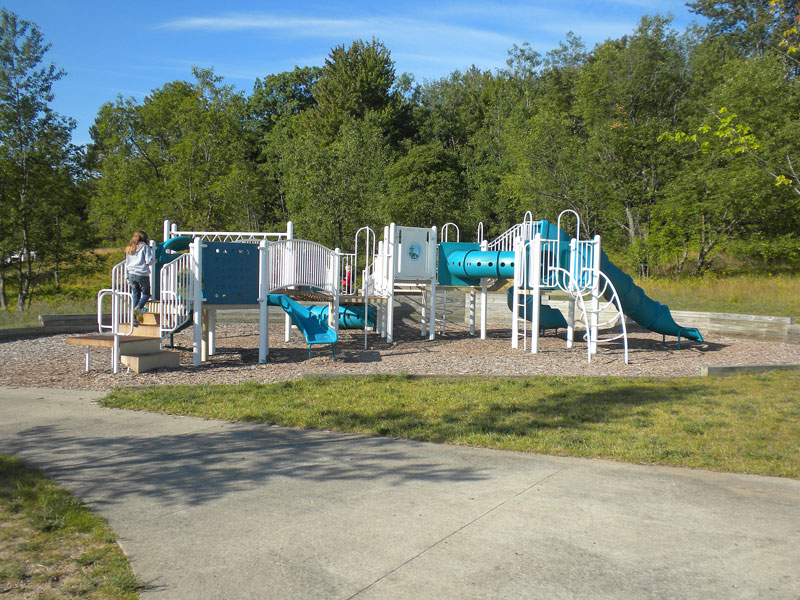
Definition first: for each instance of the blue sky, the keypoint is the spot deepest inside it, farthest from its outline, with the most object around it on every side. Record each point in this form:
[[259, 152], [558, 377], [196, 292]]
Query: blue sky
[[110, 48]]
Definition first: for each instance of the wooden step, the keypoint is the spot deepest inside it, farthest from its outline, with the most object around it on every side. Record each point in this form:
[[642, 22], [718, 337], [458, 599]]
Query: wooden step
[[139, 363], [147, 330], [130, 344]]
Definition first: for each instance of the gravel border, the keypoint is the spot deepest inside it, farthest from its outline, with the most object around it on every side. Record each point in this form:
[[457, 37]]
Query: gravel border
[[49, 362]]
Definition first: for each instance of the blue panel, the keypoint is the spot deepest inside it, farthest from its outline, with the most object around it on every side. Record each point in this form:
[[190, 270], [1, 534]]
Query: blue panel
[[230, 273]]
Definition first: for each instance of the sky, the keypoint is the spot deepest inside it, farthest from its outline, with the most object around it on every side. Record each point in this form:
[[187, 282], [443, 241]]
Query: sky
[[114, 48]]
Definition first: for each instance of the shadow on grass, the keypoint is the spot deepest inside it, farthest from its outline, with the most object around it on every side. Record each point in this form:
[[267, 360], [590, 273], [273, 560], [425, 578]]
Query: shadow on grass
[[514, 411]]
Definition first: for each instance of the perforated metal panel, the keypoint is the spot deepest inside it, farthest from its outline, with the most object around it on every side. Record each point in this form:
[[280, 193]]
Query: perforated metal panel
[[230, 273]]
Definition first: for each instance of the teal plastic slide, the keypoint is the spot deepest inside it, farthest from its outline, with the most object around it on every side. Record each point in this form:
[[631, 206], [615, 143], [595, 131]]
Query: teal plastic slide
[[638, 306], [315, 330], [549, 317], [350, 317]]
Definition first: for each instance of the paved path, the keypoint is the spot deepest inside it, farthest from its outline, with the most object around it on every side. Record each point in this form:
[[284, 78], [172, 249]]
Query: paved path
[[207, 509]]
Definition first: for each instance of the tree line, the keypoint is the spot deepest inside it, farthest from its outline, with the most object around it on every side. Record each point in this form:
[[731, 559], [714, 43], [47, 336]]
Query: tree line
[[676, 147]]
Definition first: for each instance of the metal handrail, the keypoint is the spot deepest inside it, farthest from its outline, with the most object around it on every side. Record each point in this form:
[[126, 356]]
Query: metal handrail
[[175, 293]]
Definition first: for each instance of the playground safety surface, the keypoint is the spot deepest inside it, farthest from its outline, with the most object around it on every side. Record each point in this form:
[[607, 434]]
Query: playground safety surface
[[49, 362]]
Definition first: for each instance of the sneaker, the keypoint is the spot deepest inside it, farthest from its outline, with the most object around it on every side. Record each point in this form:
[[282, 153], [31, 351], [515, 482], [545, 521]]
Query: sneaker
[[137, 315]]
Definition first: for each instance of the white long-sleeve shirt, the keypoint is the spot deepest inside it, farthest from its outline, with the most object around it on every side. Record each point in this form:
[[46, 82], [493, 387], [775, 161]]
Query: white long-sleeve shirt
[[139, 262]]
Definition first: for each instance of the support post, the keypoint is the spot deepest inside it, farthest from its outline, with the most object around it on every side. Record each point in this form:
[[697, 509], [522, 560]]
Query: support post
[[519, 266], [573, 284], [212, 331], [333, 311], [365, 284], [432, 311], [263, 305], [595, 318], [484, 294], [287, 320], [472, 295], [535, 277], [204, 341], [423, 314], [115, 354], [197, 300], [391, 251]]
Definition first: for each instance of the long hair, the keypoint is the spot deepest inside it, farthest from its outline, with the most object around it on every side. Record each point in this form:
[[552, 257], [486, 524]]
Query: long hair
[[138, 236]]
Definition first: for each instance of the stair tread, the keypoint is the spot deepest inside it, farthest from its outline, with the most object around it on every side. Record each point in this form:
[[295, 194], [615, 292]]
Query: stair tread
[[102, 339]]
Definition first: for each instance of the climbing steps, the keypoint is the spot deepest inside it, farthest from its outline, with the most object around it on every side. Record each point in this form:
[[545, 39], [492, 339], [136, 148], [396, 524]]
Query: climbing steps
[[141, 351]]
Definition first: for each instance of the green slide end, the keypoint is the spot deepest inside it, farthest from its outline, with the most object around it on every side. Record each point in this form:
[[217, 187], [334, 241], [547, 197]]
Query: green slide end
[[646, 312]]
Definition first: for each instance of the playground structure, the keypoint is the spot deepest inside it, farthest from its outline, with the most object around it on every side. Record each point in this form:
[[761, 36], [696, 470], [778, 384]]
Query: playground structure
[[198, 273]]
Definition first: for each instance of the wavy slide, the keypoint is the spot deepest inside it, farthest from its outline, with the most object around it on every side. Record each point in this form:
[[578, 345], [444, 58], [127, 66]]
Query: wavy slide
[[638, 306], [315, 329]]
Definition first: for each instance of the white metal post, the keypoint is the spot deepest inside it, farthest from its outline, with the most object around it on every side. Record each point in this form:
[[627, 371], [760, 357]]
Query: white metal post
[[197, 300], [519, 265], [484, 291], [287, 320], [432, 311], [472, 304], [595, 270], [333, 311], [212, 331], [423, 310], [166, 229], [535, 278], [115, 354], [571, 283], [392, 259], [365, 285], [204, 342], [431, 268], [263, 305]]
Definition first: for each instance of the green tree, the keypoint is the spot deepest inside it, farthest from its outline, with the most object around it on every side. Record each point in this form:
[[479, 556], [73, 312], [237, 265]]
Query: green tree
[[185, 153], [630, 91], [754, 150], [275, 101], [40, 203], [333, 189], [355, 81], [754, 26], [426, 187]]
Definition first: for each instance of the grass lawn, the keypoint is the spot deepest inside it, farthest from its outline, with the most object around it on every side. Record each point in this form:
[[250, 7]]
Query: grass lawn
[[743, 424], [777, 296], [52, 546]]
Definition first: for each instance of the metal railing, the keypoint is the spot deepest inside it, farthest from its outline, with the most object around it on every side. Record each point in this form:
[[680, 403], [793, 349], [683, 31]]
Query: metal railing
[[175, 293], [505, 241], [348, 270], [301, 263], [121, 303]]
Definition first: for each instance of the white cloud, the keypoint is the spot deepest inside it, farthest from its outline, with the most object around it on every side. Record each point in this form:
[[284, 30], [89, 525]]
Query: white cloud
[[382, 27]]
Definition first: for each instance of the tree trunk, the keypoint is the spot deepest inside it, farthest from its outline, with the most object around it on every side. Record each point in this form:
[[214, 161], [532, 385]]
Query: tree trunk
[[3, 301]]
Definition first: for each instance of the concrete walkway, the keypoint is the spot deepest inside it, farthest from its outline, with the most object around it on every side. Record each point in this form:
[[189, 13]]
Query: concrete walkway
[[207, 509]]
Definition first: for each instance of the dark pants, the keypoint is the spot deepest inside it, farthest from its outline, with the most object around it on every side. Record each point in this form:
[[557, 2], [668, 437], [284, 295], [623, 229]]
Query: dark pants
[[140, 289]]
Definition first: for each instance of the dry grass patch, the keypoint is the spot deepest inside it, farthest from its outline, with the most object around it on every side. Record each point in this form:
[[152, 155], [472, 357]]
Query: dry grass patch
[[52, 546]]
